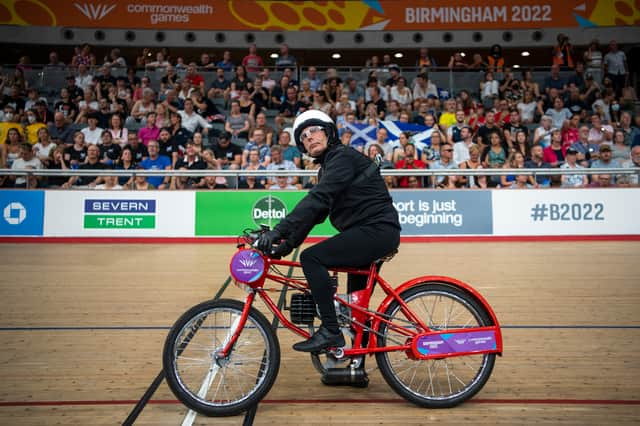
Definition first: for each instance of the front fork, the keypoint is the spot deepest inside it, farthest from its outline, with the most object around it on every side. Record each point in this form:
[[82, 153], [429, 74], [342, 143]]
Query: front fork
[[238, 325]]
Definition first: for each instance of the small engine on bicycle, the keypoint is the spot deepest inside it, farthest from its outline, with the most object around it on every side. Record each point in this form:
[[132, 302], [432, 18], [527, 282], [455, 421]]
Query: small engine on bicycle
[[303, 309]]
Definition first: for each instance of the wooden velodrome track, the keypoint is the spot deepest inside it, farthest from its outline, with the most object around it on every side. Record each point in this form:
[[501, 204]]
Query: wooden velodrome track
[[82, 328]]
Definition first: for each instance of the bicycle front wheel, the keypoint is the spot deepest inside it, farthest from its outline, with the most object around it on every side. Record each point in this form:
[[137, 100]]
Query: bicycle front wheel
[[435, 383], [208, 383]]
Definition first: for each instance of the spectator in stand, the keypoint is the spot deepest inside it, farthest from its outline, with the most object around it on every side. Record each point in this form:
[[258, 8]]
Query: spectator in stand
[[477, 63], [92, 133], [559, 114], [599, 132], [461, 147], [261, 123], [190, 161], [554, 81], [398, 147], [513, 126], [620, 151], [542, 134], [228, 155], [92, 163], [11, 147], [576, 180], [489, 90], [484, 131], [445, 162], [43, 147], [54, 62], [237, 123], [570, 132], [267, 82], [27, 160], [226, 63], [205, 62], [495, 60], [424, 60], [515, 161], [259, 95], [563, 52], [632, 163], [138, 149], [285, 60], [193, 77], [156, 162], [84, 80], [494, 156], [630, 131], [219, 85], [528, 84], [291, 107], [583, 147], [254, 163], [528, 108], [83, 56], [537, 162], [521, 144], [120, 134], [472, 181], [602, 105], [555, 152], [143, 106], [409, 162], [305, 94], [109, 151], [279, 163], [240, 79], [150, 131], [401, 93], [76, 154], [32, 126], [289, 151], [314, 82], [66, 106], [257, 142], [247, 106], [575, 104], [423, 88], [593, 60], [602, 181], [578, 79], [382, 141], [615, 67], [454, 130], [252, 61], [191, 120], [56, 162], [457, 62]]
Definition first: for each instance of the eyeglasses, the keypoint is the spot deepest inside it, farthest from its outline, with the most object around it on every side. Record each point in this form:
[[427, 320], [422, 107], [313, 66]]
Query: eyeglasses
[[306, 134], [447, 150]]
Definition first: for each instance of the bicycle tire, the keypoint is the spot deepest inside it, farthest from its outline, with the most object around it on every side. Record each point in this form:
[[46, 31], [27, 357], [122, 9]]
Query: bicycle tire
[[185, 372], [477, 368]]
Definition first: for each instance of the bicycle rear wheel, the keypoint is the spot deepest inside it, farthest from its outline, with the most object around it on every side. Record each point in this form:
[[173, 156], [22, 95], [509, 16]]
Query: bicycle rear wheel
[[435, 383], [207, 383]]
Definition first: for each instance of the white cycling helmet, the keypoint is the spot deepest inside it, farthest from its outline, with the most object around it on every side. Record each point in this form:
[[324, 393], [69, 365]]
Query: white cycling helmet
[[314, 117]]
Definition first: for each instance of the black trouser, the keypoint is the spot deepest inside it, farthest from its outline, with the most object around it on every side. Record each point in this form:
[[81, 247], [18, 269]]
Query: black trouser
[[355, 247]]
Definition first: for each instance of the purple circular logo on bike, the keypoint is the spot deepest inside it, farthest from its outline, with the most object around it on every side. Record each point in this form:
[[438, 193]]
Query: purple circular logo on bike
[[247, 266]]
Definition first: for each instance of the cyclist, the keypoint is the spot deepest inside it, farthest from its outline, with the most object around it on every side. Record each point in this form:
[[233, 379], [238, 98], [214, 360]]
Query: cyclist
[[352, 193]]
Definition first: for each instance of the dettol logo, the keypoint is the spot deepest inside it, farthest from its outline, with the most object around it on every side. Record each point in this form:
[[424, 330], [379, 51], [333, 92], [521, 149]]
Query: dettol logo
[[268, 211]]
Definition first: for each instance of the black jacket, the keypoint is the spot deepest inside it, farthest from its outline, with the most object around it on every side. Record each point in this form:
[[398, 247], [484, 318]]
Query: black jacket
[[340, 195]]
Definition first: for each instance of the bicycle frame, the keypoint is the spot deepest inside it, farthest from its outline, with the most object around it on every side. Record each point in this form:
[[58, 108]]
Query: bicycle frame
[[361, 314]]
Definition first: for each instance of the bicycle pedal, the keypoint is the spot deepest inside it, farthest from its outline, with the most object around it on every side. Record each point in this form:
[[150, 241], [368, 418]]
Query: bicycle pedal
[[337, 353]]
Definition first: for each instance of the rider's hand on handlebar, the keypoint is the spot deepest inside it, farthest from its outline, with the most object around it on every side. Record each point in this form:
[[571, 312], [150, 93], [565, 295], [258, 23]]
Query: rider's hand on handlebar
[[266, 241]]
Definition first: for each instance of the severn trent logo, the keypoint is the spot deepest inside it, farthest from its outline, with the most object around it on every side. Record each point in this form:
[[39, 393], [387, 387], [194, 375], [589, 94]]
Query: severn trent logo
[[268, 211], [120, 214]]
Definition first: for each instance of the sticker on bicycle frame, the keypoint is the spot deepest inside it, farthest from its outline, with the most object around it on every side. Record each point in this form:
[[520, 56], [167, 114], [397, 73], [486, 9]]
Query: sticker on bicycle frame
[[247, 266], [456, 343]]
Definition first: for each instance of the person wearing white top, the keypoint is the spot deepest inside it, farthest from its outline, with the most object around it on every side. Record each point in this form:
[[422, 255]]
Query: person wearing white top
[[83, 79], [573, 181], [92, 133], [110, 183], [191, 120], [26, 161], [461, 149], [489, 87]]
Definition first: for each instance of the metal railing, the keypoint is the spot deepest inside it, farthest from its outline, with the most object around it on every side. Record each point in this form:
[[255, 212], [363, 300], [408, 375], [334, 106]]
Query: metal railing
[[311, 173]]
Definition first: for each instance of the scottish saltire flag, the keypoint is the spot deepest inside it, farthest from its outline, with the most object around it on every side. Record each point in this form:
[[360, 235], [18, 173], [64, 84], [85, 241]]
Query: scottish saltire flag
[[362, 133], [419, 134]]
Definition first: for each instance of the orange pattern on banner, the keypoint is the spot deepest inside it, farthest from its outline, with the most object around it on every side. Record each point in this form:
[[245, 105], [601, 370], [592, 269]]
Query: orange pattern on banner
[[347, 15]]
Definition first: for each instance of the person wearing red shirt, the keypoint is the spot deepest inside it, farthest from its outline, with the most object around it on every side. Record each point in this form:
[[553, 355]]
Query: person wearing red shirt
[[409, 162], [554, 154], [193, 77], [253, 62]]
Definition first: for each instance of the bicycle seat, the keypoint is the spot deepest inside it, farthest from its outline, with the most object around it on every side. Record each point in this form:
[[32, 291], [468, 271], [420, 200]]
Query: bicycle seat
[[386, 257]]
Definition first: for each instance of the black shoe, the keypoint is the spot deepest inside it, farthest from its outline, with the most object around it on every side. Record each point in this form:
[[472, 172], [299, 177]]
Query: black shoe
[[321, 339], [354, 377]]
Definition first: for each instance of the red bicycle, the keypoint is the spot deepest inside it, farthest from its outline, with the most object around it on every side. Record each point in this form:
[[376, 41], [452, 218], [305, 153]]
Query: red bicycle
[[435, 338]]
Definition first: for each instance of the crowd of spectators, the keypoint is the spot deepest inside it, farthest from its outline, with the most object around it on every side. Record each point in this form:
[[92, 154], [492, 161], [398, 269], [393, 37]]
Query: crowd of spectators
[[102, 121]]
